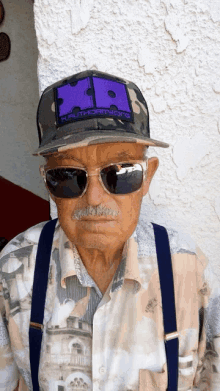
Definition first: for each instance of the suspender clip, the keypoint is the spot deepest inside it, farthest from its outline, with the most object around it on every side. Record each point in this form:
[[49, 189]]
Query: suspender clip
[[37, 326], [170, 336]]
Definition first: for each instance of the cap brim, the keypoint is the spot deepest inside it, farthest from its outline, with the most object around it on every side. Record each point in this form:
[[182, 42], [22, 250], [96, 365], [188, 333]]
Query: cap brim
[[98, 137]]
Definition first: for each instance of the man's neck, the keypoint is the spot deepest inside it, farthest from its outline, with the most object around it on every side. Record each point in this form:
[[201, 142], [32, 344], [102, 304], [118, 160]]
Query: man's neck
[[100, 266]]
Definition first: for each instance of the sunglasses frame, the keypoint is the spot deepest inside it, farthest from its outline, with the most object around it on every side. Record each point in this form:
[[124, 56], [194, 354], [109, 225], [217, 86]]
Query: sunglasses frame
[[143, 164]]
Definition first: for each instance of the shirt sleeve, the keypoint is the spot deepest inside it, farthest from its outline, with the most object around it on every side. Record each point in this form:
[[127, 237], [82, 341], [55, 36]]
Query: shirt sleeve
[[207, 376], [8, 369]]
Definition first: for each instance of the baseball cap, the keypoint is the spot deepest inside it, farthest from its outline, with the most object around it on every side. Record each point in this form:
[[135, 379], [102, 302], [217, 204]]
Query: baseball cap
[[92, 107]]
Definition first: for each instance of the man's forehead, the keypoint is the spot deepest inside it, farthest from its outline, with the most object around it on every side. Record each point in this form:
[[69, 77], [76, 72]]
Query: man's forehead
[[121, 150]]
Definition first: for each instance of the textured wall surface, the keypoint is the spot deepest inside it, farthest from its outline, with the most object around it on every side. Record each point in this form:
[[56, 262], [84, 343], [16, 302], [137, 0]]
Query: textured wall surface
[[171, 50], [19, 98]]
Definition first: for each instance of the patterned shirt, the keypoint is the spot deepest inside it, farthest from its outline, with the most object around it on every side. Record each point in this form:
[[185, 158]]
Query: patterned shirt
[[115, 341]]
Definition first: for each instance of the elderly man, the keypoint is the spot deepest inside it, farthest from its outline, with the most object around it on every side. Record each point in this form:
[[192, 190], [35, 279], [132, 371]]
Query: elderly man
[[100, 298]]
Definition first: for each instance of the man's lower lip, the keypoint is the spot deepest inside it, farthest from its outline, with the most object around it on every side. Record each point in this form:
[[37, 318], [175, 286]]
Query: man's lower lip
[[97, 225]]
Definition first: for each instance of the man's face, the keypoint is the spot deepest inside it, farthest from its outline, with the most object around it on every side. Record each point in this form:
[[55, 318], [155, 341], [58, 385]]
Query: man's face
[[120, 222]]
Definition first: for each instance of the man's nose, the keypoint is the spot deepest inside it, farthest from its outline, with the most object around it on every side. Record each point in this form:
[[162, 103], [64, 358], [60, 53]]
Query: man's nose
[[95, 193]]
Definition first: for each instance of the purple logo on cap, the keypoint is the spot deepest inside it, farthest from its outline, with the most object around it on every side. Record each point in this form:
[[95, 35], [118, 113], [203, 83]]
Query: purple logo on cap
[[92, 97]]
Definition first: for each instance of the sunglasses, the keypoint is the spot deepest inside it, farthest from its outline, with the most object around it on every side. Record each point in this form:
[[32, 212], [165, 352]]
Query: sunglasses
[[115, 178]]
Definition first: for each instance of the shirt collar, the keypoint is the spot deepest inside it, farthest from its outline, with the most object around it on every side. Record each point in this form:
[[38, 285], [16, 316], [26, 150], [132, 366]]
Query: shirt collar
[[128, 267]]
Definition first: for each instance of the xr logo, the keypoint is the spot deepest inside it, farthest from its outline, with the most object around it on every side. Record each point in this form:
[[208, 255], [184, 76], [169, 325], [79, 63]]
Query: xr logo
[[92, 96]]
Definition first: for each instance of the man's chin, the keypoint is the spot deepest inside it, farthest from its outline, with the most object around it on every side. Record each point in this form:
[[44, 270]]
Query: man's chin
[[98, 240]]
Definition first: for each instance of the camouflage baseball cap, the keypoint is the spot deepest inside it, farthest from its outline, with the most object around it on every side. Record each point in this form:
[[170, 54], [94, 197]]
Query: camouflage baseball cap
[[92, 107]]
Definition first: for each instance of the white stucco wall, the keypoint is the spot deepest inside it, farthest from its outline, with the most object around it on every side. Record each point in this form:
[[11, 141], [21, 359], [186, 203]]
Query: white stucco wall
[[19, 99], [171, 50]]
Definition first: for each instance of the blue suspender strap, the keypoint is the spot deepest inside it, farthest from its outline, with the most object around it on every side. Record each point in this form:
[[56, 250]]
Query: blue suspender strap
[[168, 304], [39, 297]]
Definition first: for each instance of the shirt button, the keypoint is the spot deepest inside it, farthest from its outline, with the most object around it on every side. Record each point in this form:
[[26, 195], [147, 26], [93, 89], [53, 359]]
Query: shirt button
[[102, 370]]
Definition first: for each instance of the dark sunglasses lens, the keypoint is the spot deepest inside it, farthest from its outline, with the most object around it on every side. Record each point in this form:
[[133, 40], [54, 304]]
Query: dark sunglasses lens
[[122, 178], [66, 182]]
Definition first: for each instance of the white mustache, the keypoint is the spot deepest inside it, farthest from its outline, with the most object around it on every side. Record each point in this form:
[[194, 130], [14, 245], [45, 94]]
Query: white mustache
[[94, 211]]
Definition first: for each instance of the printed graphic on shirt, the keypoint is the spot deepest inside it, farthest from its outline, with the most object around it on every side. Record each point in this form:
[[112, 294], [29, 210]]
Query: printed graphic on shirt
[[68, 354], [68, 359]]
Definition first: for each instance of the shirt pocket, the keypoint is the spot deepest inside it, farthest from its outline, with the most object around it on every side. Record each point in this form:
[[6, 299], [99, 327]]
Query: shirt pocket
[[158, 381], [152, 381]]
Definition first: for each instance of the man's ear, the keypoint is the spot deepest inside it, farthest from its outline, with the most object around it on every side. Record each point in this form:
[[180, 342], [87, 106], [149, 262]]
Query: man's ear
[[153, 164]]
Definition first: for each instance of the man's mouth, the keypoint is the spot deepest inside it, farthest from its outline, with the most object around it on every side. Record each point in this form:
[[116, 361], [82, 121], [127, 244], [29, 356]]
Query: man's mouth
[[96, 218]]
